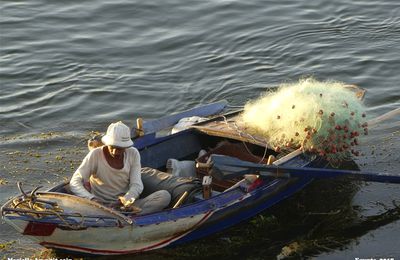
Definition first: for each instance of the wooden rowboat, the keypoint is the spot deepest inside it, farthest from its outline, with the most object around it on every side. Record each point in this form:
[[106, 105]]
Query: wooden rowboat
[[58, 219]]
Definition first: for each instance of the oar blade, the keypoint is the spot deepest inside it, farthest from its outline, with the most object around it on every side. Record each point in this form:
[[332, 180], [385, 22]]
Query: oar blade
[[377, 177]]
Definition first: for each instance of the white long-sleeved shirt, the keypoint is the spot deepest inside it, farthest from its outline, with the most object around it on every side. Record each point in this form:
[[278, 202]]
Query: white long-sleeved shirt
[[108, 183]]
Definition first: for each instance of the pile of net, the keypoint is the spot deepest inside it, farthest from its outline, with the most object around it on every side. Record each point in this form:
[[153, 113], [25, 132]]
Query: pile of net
[[325, 118]]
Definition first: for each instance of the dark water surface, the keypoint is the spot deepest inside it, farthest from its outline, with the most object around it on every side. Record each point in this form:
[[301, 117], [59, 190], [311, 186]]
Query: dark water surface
[[70, 67]]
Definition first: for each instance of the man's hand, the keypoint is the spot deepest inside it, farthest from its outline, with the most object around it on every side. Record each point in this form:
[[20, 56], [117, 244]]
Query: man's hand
[[126, 202], [128, 205]]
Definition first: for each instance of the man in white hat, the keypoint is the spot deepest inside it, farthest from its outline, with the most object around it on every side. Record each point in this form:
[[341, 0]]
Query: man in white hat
[[113, 171]]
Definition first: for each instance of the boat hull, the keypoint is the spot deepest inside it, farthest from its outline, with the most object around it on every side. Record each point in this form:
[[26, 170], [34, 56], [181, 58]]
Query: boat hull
[[87, 227], [149, 232]]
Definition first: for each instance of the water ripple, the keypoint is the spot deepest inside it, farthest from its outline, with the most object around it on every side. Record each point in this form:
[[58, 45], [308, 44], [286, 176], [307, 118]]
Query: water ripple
[[120, 59]]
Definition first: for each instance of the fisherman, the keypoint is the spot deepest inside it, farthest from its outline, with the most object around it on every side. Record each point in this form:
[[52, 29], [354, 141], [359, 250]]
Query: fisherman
[[113, 174]]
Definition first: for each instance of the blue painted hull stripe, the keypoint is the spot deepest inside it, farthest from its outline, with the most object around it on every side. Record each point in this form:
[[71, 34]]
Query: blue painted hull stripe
[[228, 222]]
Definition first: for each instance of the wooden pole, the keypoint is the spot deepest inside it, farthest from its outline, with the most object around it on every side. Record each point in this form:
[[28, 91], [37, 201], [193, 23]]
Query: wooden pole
[[139, 127]]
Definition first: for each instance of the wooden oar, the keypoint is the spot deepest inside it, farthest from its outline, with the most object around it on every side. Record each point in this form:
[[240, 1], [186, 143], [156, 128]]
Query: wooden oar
[[226, 167], [386, 116]]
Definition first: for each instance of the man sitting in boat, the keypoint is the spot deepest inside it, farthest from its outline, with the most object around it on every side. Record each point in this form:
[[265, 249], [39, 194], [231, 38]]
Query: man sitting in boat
[[113, 172]]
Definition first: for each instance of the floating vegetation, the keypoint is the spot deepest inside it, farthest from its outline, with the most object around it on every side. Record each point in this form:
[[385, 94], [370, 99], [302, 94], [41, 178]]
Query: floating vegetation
[[30, 160], [6, 245], [324, 118], [289, 250]]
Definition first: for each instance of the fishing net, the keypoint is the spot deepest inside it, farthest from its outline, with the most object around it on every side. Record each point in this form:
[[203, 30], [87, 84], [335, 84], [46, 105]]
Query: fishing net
[[325, 118]]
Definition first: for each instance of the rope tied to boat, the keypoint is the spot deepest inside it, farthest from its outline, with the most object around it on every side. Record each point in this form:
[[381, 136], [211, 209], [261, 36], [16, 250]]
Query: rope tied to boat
[[29, 204]]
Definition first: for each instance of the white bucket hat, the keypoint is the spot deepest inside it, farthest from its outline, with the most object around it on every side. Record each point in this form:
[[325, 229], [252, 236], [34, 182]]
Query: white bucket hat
[[118, 134]]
